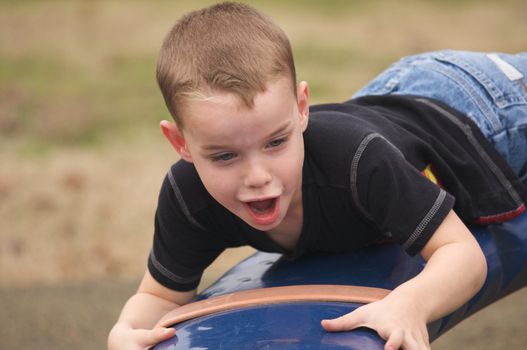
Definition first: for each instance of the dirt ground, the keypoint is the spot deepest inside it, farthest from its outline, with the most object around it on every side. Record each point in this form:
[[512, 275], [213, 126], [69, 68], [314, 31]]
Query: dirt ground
[[82, 158]]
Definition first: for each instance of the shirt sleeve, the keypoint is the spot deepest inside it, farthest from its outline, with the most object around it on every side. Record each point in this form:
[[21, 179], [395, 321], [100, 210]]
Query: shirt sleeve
[[182, 248], [395, 196]]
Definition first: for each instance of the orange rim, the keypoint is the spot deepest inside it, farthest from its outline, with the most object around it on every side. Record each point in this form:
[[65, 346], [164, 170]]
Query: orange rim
[[273, 295]]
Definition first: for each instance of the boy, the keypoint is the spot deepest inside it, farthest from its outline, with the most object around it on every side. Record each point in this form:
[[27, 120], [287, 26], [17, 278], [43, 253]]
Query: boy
[[253, 172]]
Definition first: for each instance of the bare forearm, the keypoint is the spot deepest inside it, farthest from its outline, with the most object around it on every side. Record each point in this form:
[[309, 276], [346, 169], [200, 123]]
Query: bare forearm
[[455, 270], [135, 328], [143, 310], [452, 275]]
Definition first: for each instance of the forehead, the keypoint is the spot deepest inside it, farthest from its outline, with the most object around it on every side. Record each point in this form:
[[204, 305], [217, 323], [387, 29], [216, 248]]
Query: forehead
[[209, 94], [224, 115]]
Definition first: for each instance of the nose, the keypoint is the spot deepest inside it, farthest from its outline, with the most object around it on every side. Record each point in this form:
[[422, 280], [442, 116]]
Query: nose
[[256, 175]]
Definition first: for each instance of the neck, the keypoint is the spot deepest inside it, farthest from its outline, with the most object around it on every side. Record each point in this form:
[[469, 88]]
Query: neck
[[287, 233]]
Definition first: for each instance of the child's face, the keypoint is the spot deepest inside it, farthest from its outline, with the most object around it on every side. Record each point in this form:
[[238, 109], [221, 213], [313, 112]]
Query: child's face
[[250, 160]]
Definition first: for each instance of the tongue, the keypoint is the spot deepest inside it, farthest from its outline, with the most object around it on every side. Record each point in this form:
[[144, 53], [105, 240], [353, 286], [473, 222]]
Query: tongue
[[262, 206]]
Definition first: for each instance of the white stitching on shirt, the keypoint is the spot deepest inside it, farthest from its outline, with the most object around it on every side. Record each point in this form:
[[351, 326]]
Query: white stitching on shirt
[[355, 166], [170, 275], [353, 183], [426, 220], [354, 172], [181, 201]]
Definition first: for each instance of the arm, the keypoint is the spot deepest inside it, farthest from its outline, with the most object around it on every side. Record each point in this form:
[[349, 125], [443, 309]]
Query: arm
[[455, 271], [141, 312]]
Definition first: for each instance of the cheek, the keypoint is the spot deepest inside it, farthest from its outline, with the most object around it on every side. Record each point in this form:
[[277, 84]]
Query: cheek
[[293, 162], [219, 185]]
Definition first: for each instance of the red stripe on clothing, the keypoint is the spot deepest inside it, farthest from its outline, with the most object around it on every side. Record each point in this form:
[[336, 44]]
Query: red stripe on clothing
[[493, 219]]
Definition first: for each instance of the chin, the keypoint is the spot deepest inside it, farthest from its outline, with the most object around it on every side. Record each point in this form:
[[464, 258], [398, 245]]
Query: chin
[[261, 227]]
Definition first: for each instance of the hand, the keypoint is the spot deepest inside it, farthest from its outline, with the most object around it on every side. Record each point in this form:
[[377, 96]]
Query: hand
[[396, 320], [123, 336]]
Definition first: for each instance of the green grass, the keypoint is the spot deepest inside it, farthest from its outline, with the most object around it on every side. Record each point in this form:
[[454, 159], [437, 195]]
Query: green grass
[[55, 104], [89, 75]]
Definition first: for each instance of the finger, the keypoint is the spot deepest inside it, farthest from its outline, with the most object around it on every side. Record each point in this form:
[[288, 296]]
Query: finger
[[343, 323], [151, 337], [395, 340], [412, 343]]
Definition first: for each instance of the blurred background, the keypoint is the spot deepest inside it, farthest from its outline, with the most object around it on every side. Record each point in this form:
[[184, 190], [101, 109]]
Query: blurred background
[[82, 157]]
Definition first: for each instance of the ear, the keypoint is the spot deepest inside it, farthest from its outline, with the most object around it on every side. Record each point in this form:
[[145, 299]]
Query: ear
[[176, 139], [302, 100]]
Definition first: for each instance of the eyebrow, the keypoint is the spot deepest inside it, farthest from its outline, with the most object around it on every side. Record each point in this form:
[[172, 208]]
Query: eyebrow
[[281, 129], [278, 131]]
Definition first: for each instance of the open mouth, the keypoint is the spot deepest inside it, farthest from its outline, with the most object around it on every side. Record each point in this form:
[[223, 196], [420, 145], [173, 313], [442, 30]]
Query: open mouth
[[264, 212]]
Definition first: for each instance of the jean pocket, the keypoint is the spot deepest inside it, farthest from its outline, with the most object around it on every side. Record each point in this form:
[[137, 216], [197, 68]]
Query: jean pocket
[[503, 87]]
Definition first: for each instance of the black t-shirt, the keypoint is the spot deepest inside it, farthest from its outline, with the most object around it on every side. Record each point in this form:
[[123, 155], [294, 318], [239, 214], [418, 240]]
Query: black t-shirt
[[364, 179]]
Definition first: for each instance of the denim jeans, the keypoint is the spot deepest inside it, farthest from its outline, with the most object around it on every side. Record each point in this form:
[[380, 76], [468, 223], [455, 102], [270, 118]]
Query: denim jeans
[[489, 88]]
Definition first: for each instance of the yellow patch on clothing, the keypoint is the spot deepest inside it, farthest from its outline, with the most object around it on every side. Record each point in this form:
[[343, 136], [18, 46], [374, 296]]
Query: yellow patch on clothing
[[428, 173]]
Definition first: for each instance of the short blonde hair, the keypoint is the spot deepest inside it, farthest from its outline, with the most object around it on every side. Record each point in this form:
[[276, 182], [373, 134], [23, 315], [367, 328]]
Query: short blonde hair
[[228, 47]]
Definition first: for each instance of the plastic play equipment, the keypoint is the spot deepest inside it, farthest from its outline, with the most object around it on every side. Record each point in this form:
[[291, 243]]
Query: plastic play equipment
[[266, 302]]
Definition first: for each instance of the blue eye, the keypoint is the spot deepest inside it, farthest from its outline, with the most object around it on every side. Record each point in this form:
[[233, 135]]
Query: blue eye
[[277, 142], [225, 157]]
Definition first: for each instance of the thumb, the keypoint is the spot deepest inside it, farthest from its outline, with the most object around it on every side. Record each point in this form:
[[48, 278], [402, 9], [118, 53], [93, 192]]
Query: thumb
[[151, 337], [342, 323]]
